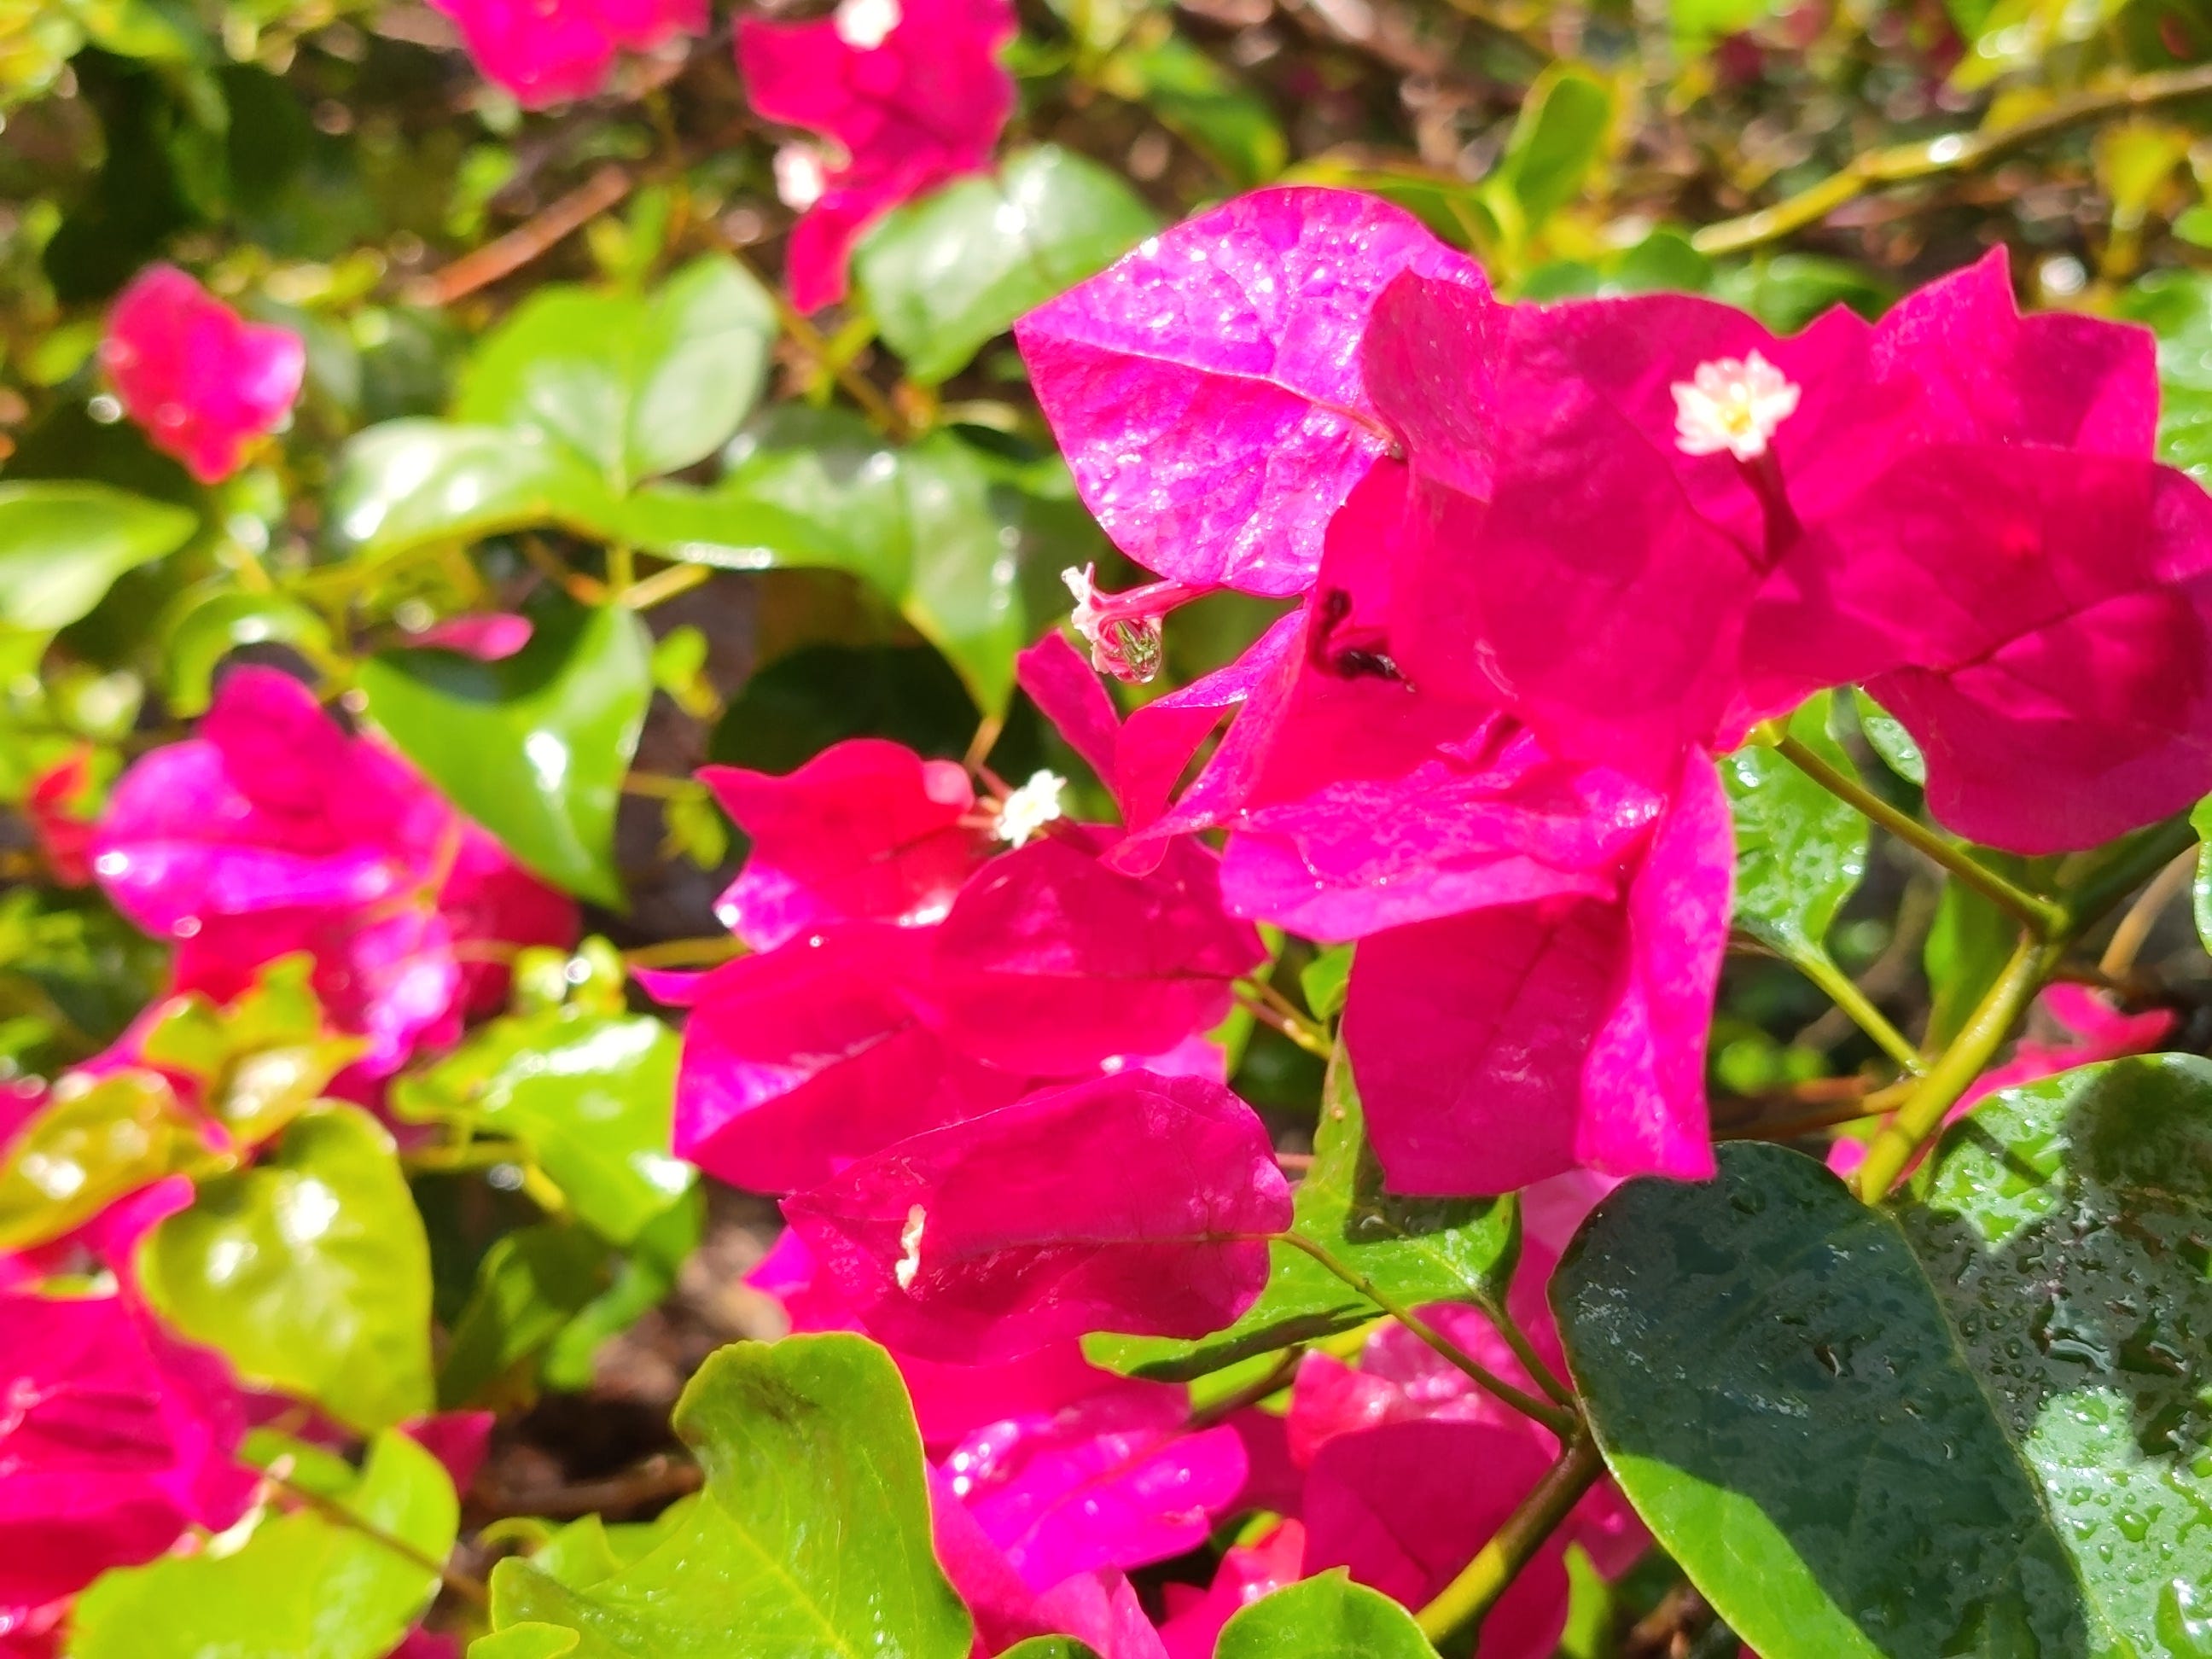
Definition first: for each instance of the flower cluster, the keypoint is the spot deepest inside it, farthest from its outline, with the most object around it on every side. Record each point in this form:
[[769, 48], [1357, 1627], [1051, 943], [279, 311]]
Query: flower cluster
[[1550, 560], [205, 383]]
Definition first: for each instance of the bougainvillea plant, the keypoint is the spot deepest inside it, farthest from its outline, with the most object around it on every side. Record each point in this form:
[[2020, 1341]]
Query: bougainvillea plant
[[1103, 831]]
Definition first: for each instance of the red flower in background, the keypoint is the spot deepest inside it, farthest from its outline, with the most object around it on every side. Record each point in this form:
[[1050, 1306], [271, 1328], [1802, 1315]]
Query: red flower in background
[[203, 382]]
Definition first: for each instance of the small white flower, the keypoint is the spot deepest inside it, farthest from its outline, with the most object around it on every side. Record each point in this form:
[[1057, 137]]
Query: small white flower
[[909, 1261], [864, 24], [1084, 585], [800, 178], [1732, 403], [1030, 807]]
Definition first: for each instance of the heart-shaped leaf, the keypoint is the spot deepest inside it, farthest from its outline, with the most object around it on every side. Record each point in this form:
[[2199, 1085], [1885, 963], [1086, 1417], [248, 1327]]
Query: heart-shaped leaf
[[1325, 1617], [533, 746], [310, 1272]]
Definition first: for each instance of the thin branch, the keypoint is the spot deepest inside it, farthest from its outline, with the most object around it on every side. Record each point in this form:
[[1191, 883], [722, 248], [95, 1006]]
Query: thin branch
[[1842, 990], [507, 254], [1956, 152], [708, 952], [659, 1477], [2128, 939], [1463, 1604], [663, 585]]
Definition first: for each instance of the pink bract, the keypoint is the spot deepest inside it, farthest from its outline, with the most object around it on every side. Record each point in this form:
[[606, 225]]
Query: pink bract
[[546, 52], [1248, 1572], [274, 831], [1206, 388], [1133, 1203], [118, 1439], [909, 91], [866, 831], [204, 382]]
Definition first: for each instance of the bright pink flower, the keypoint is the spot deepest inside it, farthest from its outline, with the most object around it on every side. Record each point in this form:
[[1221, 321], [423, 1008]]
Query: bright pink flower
[[116, 1440], [546, 52], [1206, 388], [909, 91], [489, 636], [1112, 1480], [1499, 1046], [1098, 1609], [203, 382], [1135, 1203], [866, 831], [52, 805], [1247, 1573], [273, 830]]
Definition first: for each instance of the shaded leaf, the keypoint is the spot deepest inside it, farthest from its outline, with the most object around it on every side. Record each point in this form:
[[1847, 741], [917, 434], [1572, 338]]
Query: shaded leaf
[[533, 746], [529, 1285], [310, 1272], [1800, 852], [1774, 1383], [1199, 101]]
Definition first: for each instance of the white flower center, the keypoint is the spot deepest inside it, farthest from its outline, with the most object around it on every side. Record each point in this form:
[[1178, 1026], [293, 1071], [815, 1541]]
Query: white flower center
[[864, 24], [800, 178], [1732, 403], [909, 1261], [1030, 807], [1084, 585]]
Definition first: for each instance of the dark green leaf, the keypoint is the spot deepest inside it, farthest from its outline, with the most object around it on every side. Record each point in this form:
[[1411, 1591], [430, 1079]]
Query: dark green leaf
[[1967, 947], [1789, 290], [534, 746], [944, 274], [2200, 887], [812, 1536], [1414, 1250], [2064, 1227], [61, 546], [309, 1271], [590, 1095], [2177, 307], [303, 1586], [633, 386], [529, 1284], [800, 704], [1327, 1616], [1774, 1384], [1799, 851]]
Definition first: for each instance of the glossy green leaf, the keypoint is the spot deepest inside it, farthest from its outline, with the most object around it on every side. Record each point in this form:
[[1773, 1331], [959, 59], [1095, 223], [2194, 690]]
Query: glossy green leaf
[[88, 1147], [1325, 1617], [534, 746], [215, 621], [631, 386], [2067, 1226], [945, 274], [2200, 889], [260, 1060], [2177, 307], [61, 546], [1967, 947], [309, 1271], [408, 482], [924, 525], [529, 1285], [1324, 981], [1050, 1647], [643, 1277], [1800, 852], [1774, 1384], [304, 1585], [590, 1095], [1414, 1250], [1887, 736], [811, 1538], [1558, 137]]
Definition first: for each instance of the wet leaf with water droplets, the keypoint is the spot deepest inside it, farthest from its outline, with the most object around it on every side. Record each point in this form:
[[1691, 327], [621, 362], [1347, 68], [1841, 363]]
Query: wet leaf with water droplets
[[812, 1537], [1775, 1386], [1799, 851], [1327, 1617], [2067, 1226]]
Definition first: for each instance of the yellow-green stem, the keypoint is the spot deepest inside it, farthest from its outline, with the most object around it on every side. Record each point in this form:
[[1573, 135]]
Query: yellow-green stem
[[1843, 992], [1951, 1076], [1461, 1604]]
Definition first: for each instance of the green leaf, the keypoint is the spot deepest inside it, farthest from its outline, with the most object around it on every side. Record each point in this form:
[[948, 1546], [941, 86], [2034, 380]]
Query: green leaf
[[2064, 1227], [529, 1285], [409, 482], [260, 1060], [214, 621], [61, 546], [303, 1586], [309, 1271], [811, 1538], [1559, 135], [1887, 736], [1968, 944], [632, 386], [1199, 101], [2177, 307], [944, 274], [1049, 1646], [590, 1095], [88, 1147], [1773, 1381], [1799, 851], [2200, 891], [1324, 981], [1413, 1249], [1698, 22], [1325, 1617], [534, 746]]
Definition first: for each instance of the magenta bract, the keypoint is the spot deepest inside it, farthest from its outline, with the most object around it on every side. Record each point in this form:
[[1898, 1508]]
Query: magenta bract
[[909, 92], [1135, 1203], [1206, 388], [204, 382], [546, 52]]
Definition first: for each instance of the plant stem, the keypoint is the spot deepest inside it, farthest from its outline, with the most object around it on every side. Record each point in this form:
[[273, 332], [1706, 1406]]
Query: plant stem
[[1892, 1150], [2135, 929], [1561, 1422], [1843, 992], [663, 585], [2131, 864], [1956, 152], [2042, 917], [1525, 1350], [1277, 1376], [1461, 1604], [469, 1589], [1289, 1024], [621, 567], [811, 341], [706, 952]]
